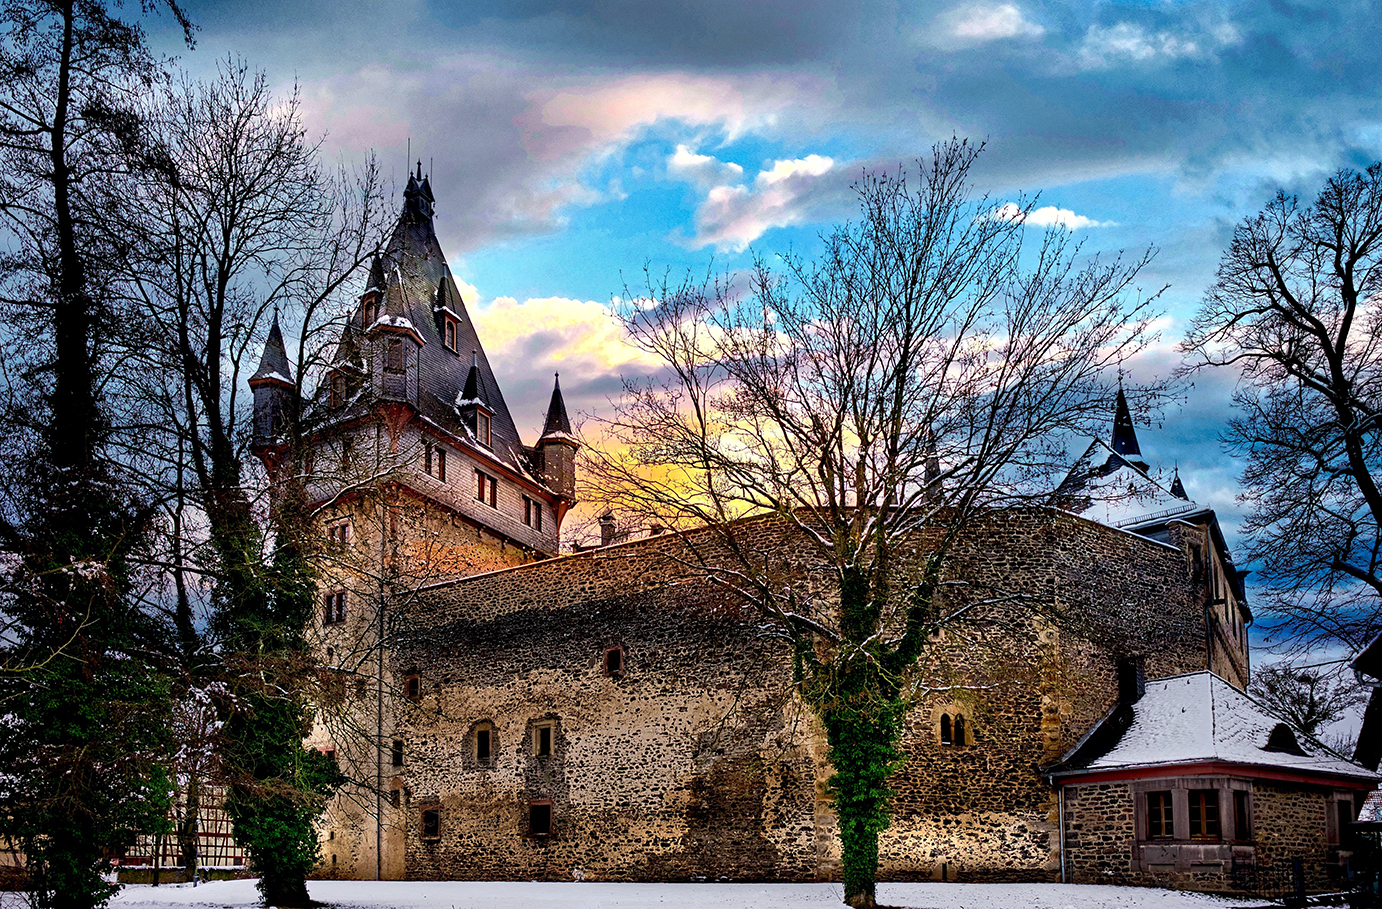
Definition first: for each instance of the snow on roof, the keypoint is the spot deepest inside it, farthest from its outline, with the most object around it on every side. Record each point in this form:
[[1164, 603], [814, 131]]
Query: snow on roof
[[1371, 812], [1117, 493], [1188, 719]]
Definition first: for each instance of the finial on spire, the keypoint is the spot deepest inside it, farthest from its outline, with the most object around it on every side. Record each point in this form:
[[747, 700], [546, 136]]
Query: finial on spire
[[419, 168], [474, 357]]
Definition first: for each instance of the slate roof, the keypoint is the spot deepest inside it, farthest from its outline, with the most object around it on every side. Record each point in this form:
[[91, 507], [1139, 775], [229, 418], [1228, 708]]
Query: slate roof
[[273, 363], [418, 288], [558, 424], [1192, 719], [1106, 487]]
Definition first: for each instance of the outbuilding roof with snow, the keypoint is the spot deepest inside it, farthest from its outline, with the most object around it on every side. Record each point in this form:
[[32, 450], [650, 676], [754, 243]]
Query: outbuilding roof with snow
[[1199, 718]]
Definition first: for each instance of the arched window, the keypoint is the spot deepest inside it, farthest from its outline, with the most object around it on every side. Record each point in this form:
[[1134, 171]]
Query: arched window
[[945, 729], [959, 730]]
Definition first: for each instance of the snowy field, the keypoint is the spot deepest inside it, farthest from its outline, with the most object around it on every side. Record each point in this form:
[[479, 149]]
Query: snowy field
[[486, 895]]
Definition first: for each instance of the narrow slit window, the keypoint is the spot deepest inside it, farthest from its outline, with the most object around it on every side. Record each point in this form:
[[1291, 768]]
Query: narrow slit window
[[397, 753], [441, 464], [450, 334], [1160, 821], [338, 390], [946, 738], [1242, 819], [614, 662], [542, 741], [412, 687], [959, 730], [482, 745], [482, 428]]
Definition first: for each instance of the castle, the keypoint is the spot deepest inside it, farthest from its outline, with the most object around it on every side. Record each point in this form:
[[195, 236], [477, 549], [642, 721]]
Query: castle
[[506, 711]]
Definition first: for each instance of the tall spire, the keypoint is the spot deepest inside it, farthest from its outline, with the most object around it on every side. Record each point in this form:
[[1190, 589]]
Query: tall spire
[[417, 197], [273, 363], [557, 420], [1124, 435]]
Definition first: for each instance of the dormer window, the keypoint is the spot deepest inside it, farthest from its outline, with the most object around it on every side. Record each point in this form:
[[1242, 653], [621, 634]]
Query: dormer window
[[337, 396], [449, 333], [369, 311], [482, 427]]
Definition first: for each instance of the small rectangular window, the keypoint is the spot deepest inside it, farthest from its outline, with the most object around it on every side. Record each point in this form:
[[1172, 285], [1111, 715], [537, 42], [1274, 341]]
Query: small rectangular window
[[338, 390], [486, 489], [482, 745], [370, 311], [397, 754], [1160, 821], [338, 535], [614, 662], [450, 334], [431, 823], [532, 513], [335, 608], [441, 464], [434, 461], [540, 818], [412, 687], [393, 356], [1204, 814], [542, 741], [482, 428], [1242, 820]]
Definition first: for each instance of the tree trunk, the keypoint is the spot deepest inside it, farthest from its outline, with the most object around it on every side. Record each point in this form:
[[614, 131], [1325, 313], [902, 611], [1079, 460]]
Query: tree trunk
[[190, 828]]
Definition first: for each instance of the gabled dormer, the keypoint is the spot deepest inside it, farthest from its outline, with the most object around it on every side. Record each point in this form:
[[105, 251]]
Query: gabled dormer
[[474, 407], [446, 307]]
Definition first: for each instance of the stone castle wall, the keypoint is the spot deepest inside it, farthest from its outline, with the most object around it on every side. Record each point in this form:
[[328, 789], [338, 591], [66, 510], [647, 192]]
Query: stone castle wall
[[699, 762]]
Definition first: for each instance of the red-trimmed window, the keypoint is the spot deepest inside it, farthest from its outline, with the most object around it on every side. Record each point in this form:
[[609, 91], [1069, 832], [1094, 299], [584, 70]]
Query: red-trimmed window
[[335, 611]]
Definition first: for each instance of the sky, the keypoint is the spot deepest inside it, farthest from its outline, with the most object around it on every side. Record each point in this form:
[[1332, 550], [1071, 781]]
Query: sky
[[572, 142]]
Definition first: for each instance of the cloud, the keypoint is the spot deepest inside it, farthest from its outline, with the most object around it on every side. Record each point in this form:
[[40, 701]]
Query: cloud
[[529, 340], [703, 169], [1129, 42], [789, 192], [981, 23], [1047, 216]]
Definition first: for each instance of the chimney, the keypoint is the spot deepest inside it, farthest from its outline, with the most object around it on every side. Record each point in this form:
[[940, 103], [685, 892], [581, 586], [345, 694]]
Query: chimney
[[607, 528]]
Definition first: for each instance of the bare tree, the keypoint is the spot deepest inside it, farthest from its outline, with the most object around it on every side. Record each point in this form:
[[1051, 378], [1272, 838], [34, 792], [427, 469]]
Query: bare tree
[[914, 377], [244, 220], [1295, 310]]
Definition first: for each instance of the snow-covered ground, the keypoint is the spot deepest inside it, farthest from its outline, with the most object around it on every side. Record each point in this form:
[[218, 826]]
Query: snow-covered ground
[[488, 895]]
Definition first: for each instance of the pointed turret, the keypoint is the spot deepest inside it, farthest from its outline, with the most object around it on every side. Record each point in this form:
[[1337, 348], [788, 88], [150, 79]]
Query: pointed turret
[[1177, 488], [557, 420], [273, 389], [557, 447], [1124, 435]]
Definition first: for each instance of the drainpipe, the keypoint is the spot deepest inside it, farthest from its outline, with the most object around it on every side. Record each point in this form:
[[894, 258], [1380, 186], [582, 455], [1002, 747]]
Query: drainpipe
[[1061, 800]]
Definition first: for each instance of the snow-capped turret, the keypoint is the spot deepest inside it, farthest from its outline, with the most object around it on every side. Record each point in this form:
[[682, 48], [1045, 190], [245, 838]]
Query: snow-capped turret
[[274, 391]]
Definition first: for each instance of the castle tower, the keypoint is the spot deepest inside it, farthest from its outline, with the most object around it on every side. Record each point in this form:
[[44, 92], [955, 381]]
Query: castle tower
[[557, 448], [419, 474], [275, 397]]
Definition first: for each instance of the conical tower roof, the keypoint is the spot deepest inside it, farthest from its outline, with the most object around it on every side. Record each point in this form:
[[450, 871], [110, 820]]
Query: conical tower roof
[[1124, 435], [557, 423], [414, 276], [273, 362]]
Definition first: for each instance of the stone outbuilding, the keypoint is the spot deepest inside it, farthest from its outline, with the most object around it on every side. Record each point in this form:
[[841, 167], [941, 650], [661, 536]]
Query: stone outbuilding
[[1191, 783]]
